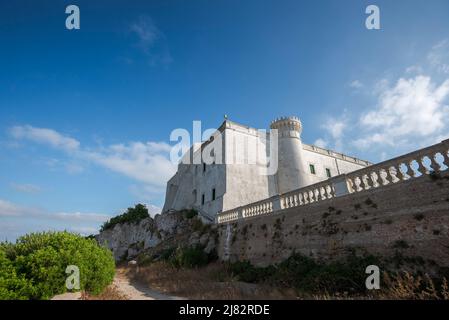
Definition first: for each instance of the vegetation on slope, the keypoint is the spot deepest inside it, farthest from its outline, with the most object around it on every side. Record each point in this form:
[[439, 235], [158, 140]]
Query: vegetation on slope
[[132, 215], [298, 277], [35, 266]]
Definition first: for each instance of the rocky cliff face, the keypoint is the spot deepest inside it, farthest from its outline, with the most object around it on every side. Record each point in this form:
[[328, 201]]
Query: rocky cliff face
[[128, 240]]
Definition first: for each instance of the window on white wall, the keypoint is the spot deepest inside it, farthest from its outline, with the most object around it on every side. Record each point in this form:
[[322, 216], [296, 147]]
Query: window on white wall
[[312, 169], [213, 194], [202, 199], [328, 172]]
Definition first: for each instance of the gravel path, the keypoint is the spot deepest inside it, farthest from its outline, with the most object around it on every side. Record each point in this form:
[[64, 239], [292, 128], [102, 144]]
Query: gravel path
[[132, 291], [137, 291]]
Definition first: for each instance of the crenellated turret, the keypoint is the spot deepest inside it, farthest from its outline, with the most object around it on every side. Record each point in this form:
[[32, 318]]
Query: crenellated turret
[[291, 172]]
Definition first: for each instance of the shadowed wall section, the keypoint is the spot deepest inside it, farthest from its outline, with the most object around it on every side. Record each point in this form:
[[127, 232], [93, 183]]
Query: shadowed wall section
[[411, 217]]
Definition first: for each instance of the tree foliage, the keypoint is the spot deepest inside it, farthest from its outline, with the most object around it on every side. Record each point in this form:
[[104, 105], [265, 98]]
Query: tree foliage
[[34, 267], [132, 215]]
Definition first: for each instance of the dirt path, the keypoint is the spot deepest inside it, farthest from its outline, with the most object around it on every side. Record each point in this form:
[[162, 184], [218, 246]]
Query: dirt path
[[124, 286], [137, 291]]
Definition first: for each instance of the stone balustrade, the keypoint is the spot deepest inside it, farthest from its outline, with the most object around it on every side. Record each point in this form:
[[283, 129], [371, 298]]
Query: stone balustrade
[[421, 162], [414, 164], [228, 216], [309, 194]]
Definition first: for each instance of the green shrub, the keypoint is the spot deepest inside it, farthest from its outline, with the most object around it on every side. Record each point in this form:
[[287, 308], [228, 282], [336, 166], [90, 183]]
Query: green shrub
[[37, 264], [12, 286], [190, 257], [306, 275], [167, 254], [191, 213], [132, 215]]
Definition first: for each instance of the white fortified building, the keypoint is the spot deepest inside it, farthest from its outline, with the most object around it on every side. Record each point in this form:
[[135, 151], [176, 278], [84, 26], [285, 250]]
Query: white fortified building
[[236, 176]]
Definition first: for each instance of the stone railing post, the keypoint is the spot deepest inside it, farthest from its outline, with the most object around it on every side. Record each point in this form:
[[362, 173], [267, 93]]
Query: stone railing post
[[340, 185], [276, 203], [240, 213]]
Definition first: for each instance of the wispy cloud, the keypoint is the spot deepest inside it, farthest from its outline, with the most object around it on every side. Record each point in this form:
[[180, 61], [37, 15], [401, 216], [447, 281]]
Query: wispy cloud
[[10, 209], [146, 32], [151, 40], [144, 162], [356, 84], [46, 136], [25, 188], [408, 111], [412, 109], [438, 56]]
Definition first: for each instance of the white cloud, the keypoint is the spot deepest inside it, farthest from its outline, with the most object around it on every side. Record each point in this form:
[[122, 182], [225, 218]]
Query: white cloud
[[45, 136], [26, 188], [320, 143], [146, 31], [80, 216], [151, 41], [8, 208], [73, 168], [414, 69], [335, 127], [145, 162], [438, 56], [356, 84], [413, 108]]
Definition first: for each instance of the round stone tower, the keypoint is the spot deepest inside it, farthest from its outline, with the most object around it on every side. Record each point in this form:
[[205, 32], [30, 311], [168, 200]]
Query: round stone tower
[[291, 172]]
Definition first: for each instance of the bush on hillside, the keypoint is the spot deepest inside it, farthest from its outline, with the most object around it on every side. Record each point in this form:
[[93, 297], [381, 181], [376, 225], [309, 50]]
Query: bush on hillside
[[34, 267], [306, 275], [132, 215]]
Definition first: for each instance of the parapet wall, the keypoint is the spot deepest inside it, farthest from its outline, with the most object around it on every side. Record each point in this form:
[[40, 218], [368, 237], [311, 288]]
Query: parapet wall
[[411, 217]]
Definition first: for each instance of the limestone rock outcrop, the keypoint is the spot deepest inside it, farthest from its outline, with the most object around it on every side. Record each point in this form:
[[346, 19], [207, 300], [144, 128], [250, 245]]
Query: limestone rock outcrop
[[128, 240]]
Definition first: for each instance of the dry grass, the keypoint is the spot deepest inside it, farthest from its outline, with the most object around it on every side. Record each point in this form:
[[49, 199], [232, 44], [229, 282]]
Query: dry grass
[[407, 287], [214, 281], [210, 282], [110, 293]]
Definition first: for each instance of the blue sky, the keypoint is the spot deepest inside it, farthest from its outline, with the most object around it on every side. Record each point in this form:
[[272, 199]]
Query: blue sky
[[86, 115]]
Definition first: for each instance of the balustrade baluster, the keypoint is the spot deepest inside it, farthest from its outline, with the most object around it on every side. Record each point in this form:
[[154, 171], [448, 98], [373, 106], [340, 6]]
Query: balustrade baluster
[[421, 167], [399, 173], [322, 192], [434, 164], [386, 177], [301, 201], [350, 184], [446, 157], [363, 184], [306, 198], [410, 172], [311, 196]]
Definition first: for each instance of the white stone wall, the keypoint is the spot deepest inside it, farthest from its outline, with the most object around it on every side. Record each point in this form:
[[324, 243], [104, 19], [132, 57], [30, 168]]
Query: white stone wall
[[240, 180], [321, 162], [245, 178]]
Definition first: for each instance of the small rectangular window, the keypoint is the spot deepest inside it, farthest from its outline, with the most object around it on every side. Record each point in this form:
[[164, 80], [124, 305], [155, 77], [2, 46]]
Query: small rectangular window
[[312, 169], [328, 172], [202, 199], [204, 167], [213, 194]]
